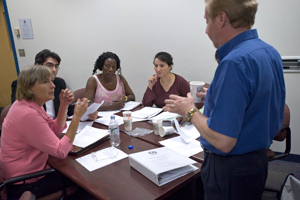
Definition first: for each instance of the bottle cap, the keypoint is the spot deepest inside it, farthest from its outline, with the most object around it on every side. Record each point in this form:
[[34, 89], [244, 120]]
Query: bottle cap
[[130, 147]]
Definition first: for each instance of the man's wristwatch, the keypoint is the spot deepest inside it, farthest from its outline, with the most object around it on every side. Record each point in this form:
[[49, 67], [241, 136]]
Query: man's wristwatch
[[190, 114]]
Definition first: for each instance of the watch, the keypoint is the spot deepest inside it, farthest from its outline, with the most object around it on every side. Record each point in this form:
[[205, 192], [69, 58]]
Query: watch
[[190, 114]]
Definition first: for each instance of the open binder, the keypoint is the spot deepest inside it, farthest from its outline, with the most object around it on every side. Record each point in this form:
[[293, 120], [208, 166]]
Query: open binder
[[161, 165]]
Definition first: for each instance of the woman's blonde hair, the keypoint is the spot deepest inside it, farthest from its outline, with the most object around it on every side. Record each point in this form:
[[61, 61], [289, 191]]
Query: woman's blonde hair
[[27, 79], [241, 13]]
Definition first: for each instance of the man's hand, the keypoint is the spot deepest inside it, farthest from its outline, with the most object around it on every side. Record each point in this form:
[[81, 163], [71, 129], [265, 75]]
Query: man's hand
[[179, 105]]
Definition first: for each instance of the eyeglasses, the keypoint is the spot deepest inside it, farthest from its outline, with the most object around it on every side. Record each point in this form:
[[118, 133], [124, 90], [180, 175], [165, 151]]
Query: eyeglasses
[[109, 153], [50, 65]]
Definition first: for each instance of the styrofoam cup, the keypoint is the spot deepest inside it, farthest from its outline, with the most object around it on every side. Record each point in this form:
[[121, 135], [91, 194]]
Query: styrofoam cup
[[127, 114], [127, 123], [166, 130], [156, 124], [196, 86]]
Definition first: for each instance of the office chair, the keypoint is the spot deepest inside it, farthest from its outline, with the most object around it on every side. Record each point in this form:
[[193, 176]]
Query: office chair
[[276, 178], [78, 94], [3, 115], [283, 134]]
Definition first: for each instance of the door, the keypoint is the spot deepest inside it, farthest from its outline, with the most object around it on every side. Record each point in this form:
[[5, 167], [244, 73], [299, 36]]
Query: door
[[8, 71]]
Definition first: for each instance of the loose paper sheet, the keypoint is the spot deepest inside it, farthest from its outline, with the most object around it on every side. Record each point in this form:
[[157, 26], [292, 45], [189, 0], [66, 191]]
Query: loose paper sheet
[[92, 108], [165, 116], [88, 136], [81, 126], [188, 132], [103, 158], [106, 119], [146, 112], [179, 145], [129, 105]]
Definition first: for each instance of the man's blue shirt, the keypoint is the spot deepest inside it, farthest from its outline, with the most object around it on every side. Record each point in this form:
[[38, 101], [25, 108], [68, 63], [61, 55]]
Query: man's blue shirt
[[246, 98]]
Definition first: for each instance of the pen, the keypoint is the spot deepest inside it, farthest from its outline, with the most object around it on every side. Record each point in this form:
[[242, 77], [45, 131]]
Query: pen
[[79, 102]]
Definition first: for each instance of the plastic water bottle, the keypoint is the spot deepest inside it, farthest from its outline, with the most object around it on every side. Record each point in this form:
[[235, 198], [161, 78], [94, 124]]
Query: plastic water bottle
[[114, 132]]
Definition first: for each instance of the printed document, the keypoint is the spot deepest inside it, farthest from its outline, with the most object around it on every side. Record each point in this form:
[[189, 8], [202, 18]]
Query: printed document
[[179, 145], [146, 112], [106, 119], [188, 132], [92, 108], [88, 136], [101, 158], [165, 116], [129, 105], [81, 126]]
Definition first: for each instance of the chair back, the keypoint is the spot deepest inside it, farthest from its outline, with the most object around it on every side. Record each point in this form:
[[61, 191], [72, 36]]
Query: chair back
[[283, 134], [4, 113], [78, 94]]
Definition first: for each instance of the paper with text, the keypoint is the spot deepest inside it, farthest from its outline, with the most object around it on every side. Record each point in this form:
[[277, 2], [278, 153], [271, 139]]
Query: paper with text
[[88, 136], [188, 132], [177, 144], [92, 108], [81, 126], [129, 105], [103, 157], [146, 112], [106, 119]]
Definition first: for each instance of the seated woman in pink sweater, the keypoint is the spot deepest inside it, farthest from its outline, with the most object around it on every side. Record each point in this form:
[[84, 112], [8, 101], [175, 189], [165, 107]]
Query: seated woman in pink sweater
[[30, 135], [164, 82]]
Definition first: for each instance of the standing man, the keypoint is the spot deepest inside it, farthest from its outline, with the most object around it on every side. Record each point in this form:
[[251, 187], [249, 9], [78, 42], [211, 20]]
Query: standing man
[[51, 60], [243, 105]]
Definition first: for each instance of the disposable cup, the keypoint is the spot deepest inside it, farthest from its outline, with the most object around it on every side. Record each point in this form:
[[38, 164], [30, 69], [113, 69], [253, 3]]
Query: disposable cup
[[127, 114], [127, 123], [165, 130], [156, 124], [196, 86]]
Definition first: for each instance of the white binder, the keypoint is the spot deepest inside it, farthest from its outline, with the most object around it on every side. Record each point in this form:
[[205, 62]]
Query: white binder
[[161, 165]]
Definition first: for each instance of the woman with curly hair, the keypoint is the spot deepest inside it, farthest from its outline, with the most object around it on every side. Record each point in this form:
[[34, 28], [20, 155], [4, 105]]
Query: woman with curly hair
[[108, 86]]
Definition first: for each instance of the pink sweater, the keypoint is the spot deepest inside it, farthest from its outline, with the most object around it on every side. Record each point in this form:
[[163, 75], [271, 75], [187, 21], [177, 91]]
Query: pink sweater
[[28, 137]]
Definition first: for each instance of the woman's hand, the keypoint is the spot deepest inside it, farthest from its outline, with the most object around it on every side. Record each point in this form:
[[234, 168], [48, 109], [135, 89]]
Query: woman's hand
[[151, 81], [93, 116], [66, 97], [117, 105], [81, 108]]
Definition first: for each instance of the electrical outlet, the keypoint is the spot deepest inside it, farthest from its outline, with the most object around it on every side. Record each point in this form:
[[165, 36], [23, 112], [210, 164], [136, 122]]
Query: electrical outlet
[[22, 52]]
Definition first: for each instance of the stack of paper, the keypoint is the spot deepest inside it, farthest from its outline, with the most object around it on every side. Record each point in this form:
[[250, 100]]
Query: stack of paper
[[81, 126], [166, 116], [89, 135], [146, 112], [188, 133], [129, 105], [106, 119], [179, 145]]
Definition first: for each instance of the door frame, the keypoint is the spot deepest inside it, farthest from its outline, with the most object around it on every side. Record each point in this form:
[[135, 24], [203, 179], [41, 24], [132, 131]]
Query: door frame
[[11, 37]]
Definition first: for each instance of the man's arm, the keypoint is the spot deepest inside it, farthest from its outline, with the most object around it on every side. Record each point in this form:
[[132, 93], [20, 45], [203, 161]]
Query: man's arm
[[182, 106]]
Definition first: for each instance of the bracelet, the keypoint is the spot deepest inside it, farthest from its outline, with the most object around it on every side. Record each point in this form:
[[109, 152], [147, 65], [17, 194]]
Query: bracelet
[[126, 98], [63, 111]]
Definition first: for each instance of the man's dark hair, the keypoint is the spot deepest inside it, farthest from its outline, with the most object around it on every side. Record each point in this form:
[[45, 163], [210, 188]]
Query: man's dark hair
[[42, 56]]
